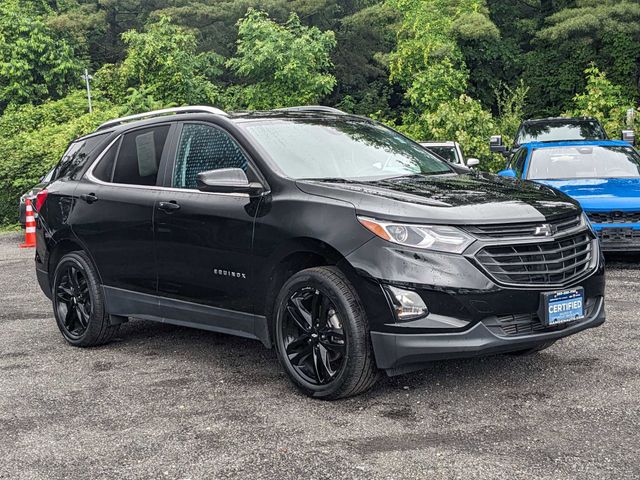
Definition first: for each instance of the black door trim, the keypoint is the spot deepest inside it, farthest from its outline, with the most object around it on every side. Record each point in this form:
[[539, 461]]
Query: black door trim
[[128, 303]]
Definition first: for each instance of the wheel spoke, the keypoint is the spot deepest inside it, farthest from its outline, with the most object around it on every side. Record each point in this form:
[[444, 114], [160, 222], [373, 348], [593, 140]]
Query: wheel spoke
[[333, 343], [75, 278], [326, 363], [298, 314], [64, 295], [69, 318], [297, 343], [316, 303], [317, 364], [300, 356], [83, 316]]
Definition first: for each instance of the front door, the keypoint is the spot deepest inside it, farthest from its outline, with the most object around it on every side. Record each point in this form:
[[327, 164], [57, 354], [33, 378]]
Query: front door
[[204, 240]]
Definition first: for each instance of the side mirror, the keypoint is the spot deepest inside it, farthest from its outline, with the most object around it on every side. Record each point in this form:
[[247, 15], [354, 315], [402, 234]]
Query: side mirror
[[628, 136], [495, 144], [227, 180], [509, 173], [472, 162]]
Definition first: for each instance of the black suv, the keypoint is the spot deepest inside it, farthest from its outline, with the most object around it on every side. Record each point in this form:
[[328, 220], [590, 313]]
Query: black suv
[[344, 245]]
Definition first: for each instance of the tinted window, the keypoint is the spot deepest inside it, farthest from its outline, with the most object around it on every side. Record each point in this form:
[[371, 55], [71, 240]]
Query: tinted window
[[555, 131], [203, 148], [448, 153], [341, 148], [588, 161], [139, 156], [75, 158], [104, 170]]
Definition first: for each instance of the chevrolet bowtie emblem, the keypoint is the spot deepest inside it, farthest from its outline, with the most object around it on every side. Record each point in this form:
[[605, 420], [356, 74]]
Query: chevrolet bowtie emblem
[[545, 230]]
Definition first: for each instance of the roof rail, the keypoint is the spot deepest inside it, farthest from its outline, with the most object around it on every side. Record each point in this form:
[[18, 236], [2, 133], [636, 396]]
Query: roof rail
[[311, 108], [160, 113]]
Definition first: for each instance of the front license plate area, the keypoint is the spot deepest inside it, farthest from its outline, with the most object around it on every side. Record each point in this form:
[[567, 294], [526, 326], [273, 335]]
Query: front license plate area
[[562, 306]]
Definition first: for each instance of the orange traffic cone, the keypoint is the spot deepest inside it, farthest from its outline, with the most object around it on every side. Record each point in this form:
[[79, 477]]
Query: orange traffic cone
[[30, 235]]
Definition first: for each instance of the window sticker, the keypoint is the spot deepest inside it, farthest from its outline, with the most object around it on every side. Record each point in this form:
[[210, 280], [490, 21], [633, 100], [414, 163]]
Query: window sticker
[[146, 150]]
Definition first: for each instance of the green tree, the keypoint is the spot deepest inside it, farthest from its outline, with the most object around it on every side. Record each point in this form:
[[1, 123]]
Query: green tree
[[429, 64], [281, 65], [162, 66], [428, 61], [35, 65], [603, 100]]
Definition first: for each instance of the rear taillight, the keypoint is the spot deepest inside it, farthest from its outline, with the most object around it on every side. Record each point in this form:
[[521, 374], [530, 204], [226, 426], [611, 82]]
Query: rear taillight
[[41, 196]]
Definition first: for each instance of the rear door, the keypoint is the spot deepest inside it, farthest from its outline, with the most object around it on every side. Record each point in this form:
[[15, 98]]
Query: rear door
[[204, 240], [113, 216]]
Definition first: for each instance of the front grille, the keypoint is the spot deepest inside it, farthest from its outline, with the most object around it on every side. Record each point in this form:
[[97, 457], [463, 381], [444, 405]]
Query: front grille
[[528, 323], [614, 217], [524, 229], [545, 263]]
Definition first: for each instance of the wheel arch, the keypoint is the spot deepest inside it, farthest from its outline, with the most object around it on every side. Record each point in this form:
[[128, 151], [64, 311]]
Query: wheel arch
[[63, 247], [304, 253]]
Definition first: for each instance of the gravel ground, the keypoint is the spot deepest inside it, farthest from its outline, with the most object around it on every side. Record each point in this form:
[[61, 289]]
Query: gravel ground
[[170, 402]]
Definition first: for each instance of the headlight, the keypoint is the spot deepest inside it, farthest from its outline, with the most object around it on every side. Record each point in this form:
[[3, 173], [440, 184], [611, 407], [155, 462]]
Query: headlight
[[442, 238], [587, 222]]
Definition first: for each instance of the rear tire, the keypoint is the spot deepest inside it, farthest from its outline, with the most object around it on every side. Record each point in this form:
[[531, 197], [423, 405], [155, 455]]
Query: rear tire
[[533, 350], [322, 337], [78, 302]]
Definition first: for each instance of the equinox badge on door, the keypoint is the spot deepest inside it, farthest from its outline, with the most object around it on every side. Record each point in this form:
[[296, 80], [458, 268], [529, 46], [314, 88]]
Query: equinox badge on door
[[229, 273]]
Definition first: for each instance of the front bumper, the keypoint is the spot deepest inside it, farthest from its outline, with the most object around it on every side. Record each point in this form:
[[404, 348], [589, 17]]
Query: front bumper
[[393, 350], [470, 314], [618, 237]]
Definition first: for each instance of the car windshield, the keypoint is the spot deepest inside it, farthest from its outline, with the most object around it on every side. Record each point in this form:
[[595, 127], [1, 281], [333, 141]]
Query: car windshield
[[347, 149], [584, 162], [557, 131]]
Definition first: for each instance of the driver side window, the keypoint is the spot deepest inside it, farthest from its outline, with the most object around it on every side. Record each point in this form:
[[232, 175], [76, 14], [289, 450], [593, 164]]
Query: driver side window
[[202, 148]]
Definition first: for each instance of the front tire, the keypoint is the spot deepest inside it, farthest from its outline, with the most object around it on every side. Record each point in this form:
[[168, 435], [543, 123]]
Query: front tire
[[321, 335], [78, 302]]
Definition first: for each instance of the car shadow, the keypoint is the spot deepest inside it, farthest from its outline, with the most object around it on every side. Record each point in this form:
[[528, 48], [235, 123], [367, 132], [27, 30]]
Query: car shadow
[[622, 260], [244, 361]]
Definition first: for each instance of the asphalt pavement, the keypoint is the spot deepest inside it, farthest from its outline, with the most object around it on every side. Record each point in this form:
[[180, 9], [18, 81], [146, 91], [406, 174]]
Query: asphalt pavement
[[165, 402]]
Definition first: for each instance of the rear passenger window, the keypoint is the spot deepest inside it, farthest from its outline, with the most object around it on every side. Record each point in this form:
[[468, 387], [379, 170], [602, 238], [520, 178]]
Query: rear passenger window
[[139, 156], [74, 159], [203, 148], [104, 170]]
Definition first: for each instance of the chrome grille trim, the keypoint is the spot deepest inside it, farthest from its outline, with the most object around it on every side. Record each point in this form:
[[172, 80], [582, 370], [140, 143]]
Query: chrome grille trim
[[557, 261], [563, 225]]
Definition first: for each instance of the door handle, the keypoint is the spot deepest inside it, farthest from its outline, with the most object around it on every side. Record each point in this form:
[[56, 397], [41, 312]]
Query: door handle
[[169, 207], [89, 197]]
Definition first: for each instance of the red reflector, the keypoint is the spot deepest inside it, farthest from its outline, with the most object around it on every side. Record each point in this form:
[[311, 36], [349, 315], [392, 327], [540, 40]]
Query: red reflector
[[41, 196]]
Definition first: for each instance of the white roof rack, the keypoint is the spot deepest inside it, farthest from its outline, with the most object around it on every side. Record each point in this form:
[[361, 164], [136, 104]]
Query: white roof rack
[[159, 113]]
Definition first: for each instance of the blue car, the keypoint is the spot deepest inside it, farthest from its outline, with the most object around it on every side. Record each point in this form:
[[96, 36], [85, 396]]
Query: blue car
[[603, 175]]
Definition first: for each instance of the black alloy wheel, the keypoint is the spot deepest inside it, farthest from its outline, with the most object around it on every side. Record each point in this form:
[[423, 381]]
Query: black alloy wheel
[[314, 339], [78, 302], [321, 335], [73, 300]]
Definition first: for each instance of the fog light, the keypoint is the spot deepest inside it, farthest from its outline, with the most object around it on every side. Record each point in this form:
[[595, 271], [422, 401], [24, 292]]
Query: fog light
[[407, 304]]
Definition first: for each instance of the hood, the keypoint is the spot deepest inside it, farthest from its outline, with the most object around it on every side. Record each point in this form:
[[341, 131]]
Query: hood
[[601, 193], [471, 198]]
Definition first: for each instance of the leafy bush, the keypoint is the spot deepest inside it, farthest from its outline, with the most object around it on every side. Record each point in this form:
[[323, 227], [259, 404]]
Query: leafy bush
[[35, 137]]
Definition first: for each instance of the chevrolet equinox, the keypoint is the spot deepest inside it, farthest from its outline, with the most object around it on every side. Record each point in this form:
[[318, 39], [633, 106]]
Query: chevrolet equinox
[[339, 242]]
